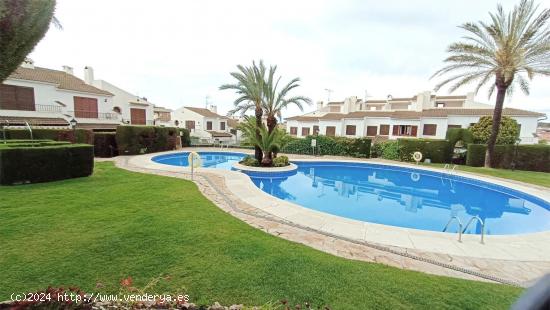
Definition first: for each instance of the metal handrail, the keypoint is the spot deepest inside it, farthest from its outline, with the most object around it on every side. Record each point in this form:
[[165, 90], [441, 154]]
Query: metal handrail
[[482, 227], [459, 226]]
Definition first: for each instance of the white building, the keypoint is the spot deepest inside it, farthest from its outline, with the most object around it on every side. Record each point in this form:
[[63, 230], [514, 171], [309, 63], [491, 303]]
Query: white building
[[163, 117], [205, 124], [423, 116]]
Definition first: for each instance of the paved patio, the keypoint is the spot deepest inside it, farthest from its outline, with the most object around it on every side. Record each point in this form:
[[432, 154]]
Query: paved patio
[[517, 260]]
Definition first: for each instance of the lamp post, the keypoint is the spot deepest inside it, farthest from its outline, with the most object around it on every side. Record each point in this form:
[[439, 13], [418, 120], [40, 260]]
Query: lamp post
[[73, 123]]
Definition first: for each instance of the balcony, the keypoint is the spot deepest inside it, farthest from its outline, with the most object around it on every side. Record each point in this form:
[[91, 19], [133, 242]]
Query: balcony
[[94, 115], [47, 108]]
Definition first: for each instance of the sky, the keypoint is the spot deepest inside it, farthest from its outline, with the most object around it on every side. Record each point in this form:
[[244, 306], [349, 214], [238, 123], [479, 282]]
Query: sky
[[178, 53]]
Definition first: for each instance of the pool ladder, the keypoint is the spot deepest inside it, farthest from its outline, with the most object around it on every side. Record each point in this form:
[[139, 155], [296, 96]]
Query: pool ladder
[[448, 168], [462, 229]]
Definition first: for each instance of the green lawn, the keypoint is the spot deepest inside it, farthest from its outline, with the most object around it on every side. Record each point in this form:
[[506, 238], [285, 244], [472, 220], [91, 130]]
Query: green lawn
[[117, 224], [532, 177]]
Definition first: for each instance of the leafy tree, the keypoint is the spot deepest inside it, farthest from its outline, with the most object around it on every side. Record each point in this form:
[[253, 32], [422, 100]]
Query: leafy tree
[[268, 142], [250, 89], [511, 49], [508, 130], [23, 23]]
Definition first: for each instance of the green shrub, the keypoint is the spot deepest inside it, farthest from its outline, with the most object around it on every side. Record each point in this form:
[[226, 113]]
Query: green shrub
[[535, 157], [508, 132], [386, 149], [105, 144], [280, 161], [185, 137], [340, 146], [437, 151], [250, 161], [82, 135], [19, 165], [132, 140]]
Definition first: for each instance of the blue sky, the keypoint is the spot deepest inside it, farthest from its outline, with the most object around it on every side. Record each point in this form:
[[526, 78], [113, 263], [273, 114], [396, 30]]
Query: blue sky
[[178, 52]]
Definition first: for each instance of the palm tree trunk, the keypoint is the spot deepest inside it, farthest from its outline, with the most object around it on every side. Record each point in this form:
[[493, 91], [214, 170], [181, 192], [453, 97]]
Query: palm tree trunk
[[497, 116], [257, 151], [271, 123]]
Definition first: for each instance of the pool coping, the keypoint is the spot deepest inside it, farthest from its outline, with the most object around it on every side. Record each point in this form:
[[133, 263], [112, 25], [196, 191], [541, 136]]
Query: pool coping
[[520, 247]]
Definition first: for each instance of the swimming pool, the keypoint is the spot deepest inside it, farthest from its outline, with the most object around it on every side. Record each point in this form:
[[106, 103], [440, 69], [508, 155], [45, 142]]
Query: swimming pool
[[220, 160], [406, 197]]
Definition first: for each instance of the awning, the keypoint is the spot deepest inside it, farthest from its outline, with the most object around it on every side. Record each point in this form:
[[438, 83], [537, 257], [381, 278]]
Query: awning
[[219, 134], [33, 121]]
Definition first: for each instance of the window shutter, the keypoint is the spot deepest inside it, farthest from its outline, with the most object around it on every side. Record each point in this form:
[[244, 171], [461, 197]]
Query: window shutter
[[414, 130], [395, 130]]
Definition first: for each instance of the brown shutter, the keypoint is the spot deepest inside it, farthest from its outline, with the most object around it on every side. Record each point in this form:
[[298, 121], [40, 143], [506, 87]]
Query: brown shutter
[[16, 98], [429, 129], [85, 107], [305, 131], [384, 130], [8, 99], [222, 125], [208, 125], [395, 130], [330, 131], [137, 116], [414, 130], [25, 98], [372, 131], [190, 124], [350, 130], [293, 130]]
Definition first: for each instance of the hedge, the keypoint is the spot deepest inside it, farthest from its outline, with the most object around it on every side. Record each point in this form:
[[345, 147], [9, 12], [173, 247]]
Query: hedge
[[105, 144], [133, 140], [20, 165], [185, 137], [82, 135], [386, 149], [438, 151], [356, 147], [535, 157]]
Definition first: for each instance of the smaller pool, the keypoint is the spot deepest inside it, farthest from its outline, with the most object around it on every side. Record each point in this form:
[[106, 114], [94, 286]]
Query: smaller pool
[[220, 160]]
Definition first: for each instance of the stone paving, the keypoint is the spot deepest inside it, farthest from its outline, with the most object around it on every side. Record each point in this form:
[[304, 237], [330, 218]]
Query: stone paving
[[213, 186]]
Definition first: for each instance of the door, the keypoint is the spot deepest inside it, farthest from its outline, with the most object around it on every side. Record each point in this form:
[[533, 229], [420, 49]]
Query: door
[[137, 116]]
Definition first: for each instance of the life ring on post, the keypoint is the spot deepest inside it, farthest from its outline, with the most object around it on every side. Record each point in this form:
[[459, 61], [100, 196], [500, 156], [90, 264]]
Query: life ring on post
[[417, 156], [194, 160]]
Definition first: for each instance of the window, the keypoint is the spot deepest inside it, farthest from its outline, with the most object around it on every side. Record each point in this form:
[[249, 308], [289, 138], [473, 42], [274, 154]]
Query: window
[[305, 131], [315, 130], [16, 98], [208, 125], [330, 131], [453, 126], [190, 125], [404, 130], [429, 129], [137, 116], [222, 125], [87, 108], [164, 116], [293, 131], [372, 131], [350, 130], [384, 130]]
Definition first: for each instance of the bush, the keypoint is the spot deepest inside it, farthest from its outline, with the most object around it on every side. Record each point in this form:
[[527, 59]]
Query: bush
[[133, 140], [105, 144], [185, 137], [250, 161], [280, 161], [23, 164], [82, 135], [508, 132], [386, 150], [340, 146], [535, 157], [437, 151]]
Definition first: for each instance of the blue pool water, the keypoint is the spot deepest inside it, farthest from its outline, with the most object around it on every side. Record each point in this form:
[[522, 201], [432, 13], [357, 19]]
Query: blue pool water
[[406, 197], [220, 160]]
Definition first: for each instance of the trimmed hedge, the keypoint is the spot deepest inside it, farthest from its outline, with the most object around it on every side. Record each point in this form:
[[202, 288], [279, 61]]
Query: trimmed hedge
[[20, 165], [133, 140], [82, 135], [535, 157], [386, 149], [105, 144], [185, 137], [438, 151], [356, 147]]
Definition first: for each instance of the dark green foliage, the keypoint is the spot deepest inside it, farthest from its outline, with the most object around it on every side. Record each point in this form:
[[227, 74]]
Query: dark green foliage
[[508, 132], [280, 161], [185, 137], [23, 23], [437, 151], [132, 140], [82, 135], [105, 144], [459, 134], [28, 164], [359, 147], [534, 157], [386, 149], [250, 161]]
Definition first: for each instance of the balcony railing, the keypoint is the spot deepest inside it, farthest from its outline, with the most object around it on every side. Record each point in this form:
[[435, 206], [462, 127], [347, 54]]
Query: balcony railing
[[94, 115], [49, 108]]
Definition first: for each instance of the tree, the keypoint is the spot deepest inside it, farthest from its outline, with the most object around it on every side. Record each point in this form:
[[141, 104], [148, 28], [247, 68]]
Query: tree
[[508, 132], [23, 23], [512, 49], [250, 89], [268, 142], [276, 100]]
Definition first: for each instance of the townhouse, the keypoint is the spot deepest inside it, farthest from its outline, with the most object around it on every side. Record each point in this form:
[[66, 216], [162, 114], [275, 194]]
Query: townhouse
[[203, 123]]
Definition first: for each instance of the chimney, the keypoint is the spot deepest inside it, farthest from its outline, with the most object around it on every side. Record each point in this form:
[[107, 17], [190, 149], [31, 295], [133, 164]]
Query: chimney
[[319, 106], [213, 108], [89, 75], [68, 70], [28, 63]]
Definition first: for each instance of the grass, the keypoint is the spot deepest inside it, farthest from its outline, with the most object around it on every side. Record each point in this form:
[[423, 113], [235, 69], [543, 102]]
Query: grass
[[531, 177], [117, 223]]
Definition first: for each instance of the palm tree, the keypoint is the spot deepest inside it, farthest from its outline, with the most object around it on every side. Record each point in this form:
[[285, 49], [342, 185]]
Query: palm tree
[[268, 142], [250, 89], [276, 100], [511, 49]]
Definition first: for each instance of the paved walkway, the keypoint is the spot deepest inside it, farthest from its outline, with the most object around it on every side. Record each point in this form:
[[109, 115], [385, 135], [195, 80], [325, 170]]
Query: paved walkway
[[214, 187]]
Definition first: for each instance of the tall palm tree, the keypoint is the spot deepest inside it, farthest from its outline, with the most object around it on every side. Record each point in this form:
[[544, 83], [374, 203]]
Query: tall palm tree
[[250, 89], [276, 100], [268, 142], [511, 49]]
